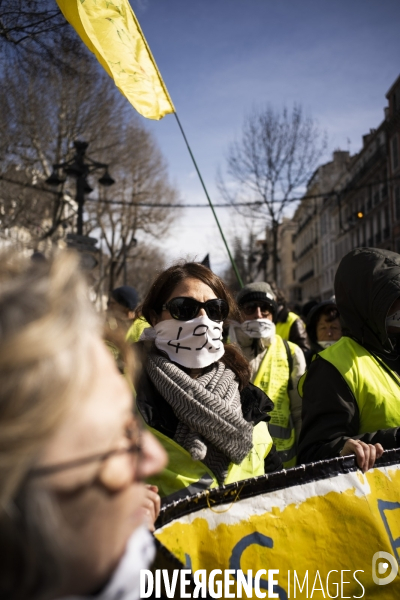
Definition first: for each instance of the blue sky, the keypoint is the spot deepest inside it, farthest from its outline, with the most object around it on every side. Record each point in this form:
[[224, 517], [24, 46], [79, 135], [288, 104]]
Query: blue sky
[[221, 58]]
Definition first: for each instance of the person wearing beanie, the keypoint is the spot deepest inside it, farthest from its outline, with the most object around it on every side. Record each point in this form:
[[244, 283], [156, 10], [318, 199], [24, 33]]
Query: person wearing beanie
[[276, 364], [121, 305], [351, 391], [323, 328]]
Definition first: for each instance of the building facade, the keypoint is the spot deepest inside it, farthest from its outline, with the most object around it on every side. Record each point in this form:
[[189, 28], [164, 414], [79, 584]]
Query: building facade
[[286, 265], [316, 232], [392, 114], [350, 202]]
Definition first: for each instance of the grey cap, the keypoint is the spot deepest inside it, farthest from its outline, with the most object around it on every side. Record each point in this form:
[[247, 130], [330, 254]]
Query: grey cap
[[259, 290]]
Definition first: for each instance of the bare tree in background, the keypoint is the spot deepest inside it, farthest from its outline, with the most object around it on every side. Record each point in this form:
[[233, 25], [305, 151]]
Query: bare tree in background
[[40, 118], [274, 158], [55, 93], [32, 32], [141, 178], [147, 261], [248, 256]]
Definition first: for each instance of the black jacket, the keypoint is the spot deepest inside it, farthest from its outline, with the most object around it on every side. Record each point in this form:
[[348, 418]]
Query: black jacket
[[157, 413], [366, 285], [297, 333]]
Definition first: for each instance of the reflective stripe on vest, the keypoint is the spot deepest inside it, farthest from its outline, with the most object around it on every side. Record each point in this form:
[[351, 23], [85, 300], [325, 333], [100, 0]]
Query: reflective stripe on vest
[[283, 329], [184, 476], [273, 378], [375, 388]]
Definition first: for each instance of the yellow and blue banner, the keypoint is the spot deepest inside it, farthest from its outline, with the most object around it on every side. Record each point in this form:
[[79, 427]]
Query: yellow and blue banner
[[324, 530], [111, 31]]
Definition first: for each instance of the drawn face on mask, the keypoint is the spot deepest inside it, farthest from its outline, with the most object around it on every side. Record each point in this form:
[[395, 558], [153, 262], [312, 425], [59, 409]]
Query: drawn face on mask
[[195, 343], [259, 328]]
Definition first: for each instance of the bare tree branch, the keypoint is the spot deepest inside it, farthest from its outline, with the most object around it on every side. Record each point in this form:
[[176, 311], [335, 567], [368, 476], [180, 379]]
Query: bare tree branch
[[276, 155]]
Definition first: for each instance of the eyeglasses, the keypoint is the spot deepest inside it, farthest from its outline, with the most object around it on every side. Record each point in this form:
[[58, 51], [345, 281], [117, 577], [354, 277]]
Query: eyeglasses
[[185, 309], [250, 307], [133, 434]]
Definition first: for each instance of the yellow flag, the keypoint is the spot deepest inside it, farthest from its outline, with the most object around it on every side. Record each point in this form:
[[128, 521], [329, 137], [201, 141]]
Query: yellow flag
[[111, 31]]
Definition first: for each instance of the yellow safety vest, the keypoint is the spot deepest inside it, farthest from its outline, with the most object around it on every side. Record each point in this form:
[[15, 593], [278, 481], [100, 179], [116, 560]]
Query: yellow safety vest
[[184, 476], [273, 378], [283, 329], [136, 330], [374, 385]]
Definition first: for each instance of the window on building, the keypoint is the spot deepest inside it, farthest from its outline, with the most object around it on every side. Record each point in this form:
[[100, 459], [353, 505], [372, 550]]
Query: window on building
[[386, 231], [370, 234], [395, 153], [323, 225], [378, 229], [397, 202], [386, 223], [369, 200]]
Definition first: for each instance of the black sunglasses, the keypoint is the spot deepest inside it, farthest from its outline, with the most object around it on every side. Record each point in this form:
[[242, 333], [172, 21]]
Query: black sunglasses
[[133, 434], [185, 309], [250, 307]]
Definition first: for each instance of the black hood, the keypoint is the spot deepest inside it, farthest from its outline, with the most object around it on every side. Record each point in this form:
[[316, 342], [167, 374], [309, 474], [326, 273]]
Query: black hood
[[367, 283]]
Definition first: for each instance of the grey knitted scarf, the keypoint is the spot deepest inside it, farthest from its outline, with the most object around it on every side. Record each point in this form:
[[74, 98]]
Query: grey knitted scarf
[[211, 424]]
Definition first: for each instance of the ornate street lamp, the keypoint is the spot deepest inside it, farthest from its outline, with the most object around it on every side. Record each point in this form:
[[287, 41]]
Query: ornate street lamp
[[80, 168]]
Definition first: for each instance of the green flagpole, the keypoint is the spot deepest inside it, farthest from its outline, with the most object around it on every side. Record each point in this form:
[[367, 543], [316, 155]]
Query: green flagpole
[[210, 203]]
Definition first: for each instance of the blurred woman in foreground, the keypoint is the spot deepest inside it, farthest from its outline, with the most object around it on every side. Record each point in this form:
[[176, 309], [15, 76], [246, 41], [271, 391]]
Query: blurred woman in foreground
[[72, 457], [195, 392]]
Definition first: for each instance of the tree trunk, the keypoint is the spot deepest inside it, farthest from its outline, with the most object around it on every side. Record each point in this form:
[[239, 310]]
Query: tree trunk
[[111, 282]]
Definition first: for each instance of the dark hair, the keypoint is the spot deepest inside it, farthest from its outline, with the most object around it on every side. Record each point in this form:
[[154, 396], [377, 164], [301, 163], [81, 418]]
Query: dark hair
[[165, 284], [307, 307], [330, 312], [167, 281]]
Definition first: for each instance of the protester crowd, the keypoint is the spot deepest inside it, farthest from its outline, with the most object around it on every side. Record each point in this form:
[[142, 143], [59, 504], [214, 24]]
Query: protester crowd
[[199, 390]]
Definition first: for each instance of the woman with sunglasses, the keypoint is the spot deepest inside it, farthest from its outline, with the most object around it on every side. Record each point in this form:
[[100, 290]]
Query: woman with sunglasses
[[194, 392], [276, 364], [72, 457]]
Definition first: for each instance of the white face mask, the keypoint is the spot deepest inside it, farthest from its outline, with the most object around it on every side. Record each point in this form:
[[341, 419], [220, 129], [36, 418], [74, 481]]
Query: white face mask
[[393, 320], [259, 328], [194, 344], [327, 344], [125, 581]]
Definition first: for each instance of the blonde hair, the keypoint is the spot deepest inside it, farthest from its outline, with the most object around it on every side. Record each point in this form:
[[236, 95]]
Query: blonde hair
[[46, 326]]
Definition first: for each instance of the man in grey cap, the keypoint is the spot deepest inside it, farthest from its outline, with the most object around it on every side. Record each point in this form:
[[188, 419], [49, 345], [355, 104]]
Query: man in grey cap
[[276, 364]]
